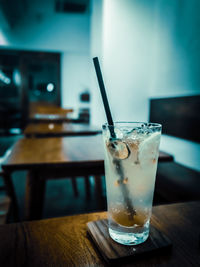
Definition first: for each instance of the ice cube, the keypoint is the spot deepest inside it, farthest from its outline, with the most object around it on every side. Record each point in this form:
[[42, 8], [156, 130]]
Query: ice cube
[[148, 149], [139, 133], [118, 133]]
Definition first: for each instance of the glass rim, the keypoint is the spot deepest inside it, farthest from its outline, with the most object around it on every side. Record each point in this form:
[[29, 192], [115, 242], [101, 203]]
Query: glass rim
[[131, 123]]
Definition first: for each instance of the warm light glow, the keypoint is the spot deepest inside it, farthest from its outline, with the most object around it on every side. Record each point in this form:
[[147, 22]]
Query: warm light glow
[[51, 126]]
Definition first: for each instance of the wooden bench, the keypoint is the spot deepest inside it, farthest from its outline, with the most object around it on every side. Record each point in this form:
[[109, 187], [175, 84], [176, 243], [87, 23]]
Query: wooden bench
[[179, 117], [8, 199]]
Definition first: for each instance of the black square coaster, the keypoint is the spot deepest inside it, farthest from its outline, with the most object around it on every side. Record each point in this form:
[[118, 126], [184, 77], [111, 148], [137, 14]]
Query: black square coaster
[[112, 251]]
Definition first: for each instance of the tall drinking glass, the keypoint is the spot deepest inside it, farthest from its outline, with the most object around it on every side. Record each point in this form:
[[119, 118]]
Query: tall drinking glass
[[130, 168]]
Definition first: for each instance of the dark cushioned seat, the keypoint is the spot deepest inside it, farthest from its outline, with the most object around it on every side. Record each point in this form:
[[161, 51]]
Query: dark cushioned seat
[[176, 182]]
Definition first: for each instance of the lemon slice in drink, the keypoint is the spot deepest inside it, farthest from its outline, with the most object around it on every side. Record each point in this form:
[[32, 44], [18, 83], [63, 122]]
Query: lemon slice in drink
[[148, 149], [118, 149]]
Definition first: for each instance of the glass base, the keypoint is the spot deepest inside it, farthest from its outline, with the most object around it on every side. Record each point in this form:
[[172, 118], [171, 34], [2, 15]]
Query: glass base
[[130, 238]]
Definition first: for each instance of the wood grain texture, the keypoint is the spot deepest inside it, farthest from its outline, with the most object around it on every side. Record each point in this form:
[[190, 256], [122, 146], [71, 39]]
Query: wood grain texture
[[78, 151], [59, 129], [64, 241], [113, 252]]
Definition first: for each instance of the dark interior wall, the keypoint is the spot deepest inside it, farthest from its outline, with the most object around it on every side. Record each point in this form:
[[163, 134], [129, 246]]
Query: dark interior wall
[[26, 79]]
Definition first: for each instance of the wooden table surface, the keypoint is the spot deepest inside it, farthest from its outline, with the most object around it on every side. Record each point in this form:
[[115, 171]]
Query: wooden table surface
[[78, 151], [64, 241], [57, 157], [59, 129]]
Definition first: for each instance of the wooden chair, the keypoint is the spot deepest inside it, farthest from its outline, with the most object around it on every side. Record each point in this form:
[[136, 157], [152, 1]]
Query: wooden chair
[[39, 112], [4, 208], [9, 200]]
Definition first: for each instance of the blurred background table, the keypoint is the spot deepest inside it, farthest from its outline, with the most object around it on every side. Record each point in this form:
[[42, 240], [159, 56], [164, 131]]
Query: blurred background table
[[57, 157], [40, 112], [64, 241], [59, 129]]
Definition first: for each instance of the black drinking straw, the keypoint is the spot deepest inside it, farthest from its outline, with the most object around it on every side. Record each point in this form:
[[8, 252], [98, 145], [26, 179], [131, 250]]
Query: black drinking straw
[[119, 168], [104, 96]]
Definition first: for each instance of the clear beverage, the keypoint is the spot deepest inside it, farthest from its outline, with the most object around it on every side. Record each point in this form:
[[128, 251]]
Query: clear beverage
[[130, 168]]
